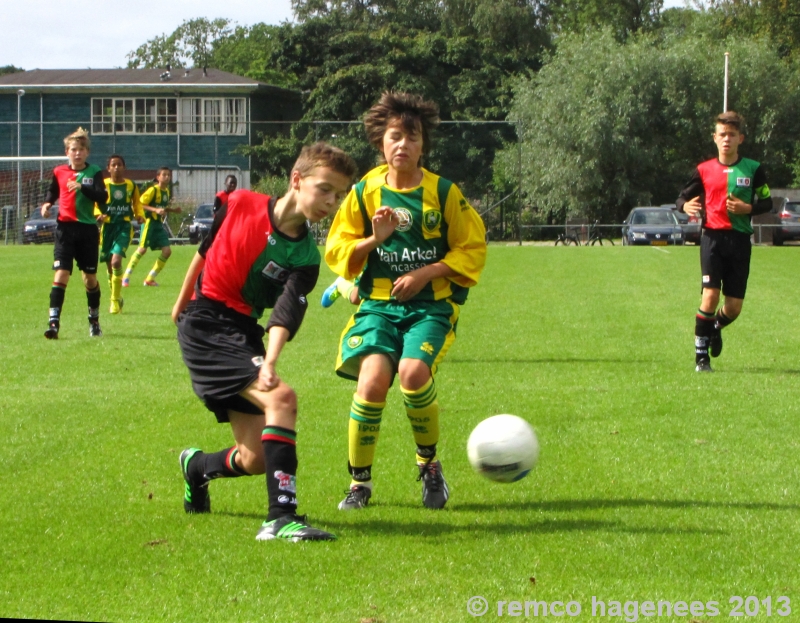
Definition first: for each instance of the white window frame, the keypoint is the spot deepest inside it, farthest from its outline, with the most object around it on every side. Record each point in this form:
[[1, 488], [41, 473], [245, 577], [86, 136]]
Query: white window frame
[[225, 116], [134, 115]]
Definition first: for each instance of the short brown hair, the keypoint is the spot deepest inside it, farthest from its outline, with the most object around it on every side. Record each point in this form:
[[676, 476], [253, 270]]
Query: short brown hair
[[412, 111], [322, 154], [80, 136], [733, 118]]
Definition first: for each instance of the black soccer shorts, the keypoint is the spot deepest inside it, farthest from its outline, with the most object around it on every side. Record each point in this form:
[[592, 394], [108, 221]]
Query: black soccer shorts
[[223, 350], [78, 243], [725, 261]]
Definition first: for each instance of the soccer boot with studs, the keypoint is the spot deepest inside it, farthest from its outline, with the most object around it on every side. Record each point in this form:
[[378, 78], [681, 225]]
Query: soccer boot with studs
[[357, 497], [704, 365], [195, 496], [52, 330], [434, 487], [94, 328], [292, 528], [331, 294], [715, 342]]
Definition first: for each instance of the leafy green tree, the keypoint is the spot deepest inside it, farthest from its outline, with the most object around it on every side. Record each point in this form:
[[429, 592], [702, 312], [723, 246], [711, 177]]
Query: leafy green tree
[[622, 17], [10, 69], [608, 126], [777, 20]]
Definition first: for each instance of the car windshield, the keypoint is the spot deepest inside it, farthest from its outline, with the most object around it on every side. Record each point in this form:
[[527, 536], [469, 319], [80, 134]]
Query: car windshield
[[793, 207], [653, 217], [204, 211]]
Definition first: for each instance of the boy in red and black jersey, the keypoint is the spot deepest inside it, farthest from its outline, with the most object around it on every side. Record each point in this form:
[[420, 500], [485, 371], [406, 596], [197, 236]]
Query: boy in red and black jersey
[[222, 196], [77, 186], [259, 255], [726, 191]]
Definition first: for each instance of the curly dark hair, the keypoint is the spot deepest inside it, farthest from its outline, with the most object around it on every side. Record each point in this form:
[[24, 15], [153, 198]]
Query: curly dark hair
[[413, 112]]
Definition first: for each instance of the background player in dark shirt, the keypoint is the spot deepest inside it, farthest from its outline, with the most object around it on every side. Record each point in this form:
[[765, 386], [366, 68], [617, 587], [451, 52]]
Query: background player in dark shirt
[[259, 255], [726, 191], [222, 196], [77, 186]]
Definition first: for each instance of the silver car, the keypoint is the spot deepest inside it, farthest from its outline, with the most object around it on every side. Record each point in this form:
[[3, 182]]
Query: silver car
[[652, 226]]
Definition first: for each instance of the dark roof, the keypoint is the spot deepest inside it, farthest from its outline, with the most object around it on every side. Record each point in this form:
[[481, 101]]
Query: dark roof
[[131, 79]]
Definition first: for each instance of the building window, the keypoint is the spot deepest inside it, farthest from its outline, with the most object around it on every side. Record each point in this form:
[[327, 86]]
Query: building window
[[141, 115], [219, 115]]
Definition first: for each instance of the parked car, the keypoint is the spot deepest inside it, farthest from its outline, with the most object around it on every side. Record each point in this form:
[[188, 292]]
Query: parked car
[[201, 226], [789, 228], [651, 225], [691, 226], [37, 230]]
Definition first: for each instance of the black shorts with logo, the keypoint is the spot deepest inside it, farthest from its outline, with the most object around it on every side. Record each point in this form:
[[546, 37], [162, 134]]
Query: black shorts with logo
[[223, 350], [79, 243], [725, 261]]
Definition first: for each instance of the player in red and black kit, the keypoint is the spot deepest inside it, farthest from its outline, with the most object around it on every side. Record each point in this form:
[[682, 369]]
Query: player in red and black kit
[[726, 191], [259, 255], [222, 196], [77, 186]]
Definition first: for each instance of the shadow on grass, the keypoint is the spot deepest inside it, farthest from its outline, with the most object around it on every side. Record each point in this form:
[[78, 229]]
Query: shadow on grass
[[599, 504], [127, 336], [763, 371], [549, 360]]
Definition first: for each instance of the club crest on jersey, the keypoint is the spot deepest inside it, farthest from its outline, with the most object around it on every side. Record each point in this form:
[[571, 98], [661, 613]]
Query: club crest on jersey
[[286, 482], [275, 272], [118, 194], [355, 341], [87, 181], [743, 182], [405, 218], [431, 219]]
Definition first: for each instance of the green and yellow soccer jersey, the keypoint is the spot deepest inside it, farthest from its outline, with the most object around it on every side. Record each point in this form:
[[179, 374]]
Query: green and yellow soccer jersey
[[437, 225], [123, 202], [155, 197]]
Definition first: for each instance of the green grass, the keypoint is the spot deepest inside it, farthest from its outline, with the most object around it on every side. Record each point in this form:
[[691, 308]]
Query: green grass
[[653, 482]]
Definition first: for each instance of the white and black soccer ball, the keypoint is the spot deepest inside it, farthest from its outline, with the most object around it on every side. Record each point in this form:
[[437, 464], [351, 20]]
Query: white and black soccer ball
[[503, 448]]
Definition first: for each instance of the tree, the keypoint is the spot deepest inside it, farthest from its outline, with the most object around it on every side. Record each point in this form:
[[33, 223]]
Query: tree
[[10, 69], [609, 126], [192, 42], [623, 17]]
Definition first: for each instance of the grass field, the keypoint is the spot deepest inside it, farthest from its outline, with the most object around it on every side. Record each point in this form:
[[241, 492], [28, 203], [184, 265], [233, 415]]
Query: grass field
[[654, 482]]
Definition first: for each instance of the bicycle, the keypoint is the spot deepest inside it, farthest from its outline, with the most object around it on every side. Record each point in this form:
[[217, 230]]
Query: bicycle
[[183, 230], [567, 239], [596, 235]]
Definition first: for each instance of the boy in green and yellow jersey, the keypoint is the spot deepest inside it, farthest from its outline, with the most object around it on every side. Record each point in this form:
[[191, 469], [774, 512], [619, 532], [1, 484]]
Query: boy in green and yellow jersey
[[155, 201], [115, 216], [418, 246]]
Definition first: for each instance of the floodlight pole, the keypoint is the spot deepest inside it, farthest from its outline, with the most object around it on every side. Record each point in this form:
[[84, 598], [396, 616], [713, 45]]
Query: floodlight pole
[[725, 94]]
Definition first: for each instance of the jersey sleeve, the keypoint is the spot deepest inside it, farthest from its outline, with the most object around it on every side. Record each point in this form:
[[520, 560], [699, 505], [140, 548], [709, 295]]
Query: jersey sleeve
[[147, 196], [219, 217], [693, 188], [762, 199], [291, 306], [136, 202], [345, 233], [466, 237], [102, 208], [53, 191]]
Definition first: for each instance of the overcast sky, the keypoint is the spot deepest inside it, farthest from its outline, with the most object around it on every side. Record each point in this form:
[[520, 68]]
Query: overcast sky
[[48, 34]]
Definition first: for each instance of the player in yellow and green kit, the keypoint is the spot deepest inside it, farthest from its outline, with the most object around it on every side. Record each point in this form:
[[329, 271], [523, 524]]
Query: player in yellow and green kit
[[155, 201], [115, 235], [418, 246]]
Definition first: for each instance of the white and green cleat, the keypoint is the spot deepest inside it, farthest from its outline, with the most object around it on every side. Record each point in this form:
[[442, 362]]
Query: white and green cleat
[[292, 528]]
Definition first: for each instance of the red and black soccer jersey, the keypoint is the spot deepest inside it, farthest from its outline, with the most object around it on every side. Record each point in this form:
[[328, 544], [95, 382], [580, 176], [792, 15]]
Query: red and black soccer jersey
[[251, 266], [77, 206], [713, 181], [221, 199]]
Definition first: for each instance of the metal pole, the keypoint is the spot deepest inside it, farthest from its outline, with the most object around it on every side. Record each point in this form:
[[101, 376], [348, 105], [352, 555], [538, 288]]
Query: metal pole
[[519, 180], [725, 95], [20, 93]]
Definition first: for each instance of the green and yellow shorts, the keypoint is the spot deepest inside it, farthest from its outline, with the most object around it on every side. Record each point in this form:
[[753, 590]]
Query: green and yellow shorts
[[115, 237], [422, 330], [153, 235]]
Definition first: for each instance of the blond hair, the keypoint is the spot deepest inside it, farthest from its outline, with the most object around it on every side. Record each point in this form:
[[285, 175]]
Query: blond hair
[[79, 136], [322, 154]]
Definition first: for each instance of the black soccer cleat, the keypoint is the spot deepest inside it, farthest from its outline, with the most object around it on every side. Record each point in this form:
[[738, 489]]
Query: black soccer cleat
[[357, 497], [195, 497], [291, 528], [715, 343], [94, 328], [52, 330], [704, 365], [434, 487]]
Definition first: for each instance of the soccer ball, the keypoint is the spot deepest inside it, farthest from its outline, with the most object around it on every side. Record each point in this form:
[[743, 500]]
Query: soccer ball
[[503, 448]]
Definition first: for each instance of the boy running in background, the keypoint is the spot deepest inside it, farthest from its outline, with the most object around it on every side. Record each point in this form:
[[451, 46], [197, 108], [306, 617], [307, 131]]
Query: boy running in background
[[222, 196], [259, 254], [155, 201], [77, 186], [420, 246], [115, 235], [726, 192]]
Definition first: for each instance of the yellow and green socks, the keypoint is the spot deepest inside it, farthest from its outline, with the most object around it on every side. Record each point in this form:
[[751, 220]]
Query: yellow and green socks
[[132, 264], [151, 276], [363, 432], [422, 409], [116, 284]]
